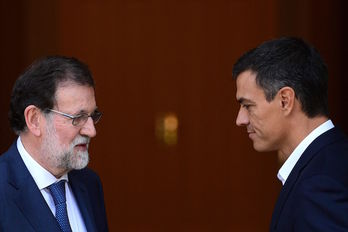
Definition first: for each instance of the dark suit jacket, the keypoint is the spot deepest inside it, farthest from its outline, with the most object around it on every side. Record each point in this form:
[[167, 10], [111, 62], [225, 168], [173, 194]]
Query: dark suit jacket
[[23, 208], [315, 195]]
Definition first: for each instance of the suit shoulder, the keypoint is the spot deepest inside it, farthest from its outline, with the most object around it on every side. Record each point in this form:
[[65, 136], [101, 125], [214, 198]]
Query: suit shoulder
[[331, 160], [4, 161], [84, 175]]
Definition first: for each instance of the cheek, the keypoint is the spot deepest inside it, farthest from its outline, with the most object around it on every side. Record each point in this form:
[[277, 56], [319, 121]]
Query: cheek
[[262, 123], [255, 119], [65, 136]]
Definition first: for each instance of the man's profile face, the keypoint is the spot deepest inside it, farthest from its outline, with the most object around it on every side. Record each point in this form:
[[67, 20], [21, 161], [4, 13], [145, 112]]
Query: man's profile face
[[65, 145], [261, 118]]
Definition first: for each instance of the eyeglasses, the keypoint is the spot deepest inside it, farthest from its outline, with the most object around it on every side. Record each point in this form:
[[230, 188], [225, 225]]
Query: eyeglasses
[[80, 119]]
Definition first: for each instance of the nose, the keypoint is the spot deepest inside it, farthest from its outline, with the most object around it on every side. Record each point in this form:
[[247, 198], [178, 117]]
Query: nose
[[242, 117], [88, 129]]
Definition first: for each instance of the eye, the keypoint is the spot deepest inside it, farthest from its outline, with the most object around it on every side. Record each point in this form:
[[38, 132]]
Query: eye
[[80, 119], [248, 107], [96, 115]]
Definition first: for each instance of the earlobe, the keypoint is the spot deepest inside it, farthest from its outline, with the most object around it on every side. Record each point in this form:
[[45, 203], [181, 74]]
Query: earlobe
[[32, 116]]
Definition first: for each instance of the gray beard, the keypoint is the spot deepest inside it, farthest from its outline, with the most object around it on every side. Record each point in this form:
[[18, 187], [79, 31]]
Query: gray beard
[[58, 156]]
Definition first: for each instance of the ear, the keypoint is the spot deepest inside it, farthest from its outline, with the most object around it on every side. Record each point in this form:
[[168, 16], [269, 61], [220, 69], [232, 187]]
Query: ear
[[33, 119], [287, 99]]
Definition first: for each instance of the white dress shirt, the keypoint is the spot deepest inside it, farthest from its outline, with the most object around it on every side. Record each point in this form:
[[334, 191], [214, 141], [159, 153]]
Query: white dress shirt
[[290, 163], [43, 180]]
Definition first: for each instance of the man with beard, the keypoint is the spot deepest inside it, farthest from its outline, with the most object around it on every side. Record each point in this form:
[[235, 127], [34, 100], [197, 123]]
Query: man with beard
[[44, 182], [282, 88]]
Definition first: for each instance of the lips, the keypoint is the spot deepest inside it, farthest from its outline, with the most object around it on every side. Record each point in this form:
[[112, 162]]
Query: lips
[[82, 146], [251, 133]]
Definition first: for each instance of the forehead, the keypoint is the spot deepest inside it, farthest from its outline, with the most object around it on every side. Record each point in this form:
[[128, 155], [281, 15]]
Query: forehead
[[73, 97], [247, 89]]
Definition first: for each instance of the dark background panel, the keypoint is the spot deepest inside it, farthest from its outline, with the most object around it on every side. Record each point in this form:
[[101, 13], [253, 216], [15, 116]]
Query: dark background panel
[[157, 58]]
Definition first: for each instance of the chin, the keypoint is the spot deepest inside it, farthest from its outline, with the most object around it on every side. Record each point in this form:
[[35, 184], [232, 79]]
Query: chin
[[80, 160], [261, 148]]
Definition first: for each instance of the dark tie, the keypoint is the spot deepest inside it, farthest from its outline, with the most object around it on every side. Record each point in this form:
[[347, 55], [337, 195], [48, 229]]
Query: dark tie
[[58, 193]]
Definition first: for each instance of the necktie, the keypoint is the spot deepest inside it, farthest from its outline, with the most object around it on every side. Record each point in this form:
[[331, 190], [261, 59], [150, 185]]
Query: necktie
[[58, 193]]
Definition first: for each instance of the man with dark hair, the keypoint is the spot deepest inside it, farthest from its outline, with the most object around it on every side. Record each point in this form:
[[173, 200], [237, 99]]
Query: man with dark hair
[[44, 182], [282, 91]]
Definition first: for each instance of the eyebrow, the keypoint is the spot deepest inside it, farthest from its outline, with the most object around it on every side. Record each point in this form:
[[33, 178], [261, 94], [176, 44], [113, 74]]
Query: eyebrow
[[85, 112], [243, 100]]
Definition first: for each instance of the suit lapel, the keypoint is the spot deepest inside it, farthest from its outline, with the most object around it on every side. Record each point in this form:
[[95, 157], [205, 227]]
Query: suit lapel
[[27, 197], [83, 200], [30, 201], [320, 142]]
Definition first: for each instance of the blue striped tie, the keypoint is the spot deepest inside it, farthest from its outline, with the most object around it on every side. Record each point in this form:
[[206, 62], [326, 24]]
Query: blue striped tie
[[58, 193]]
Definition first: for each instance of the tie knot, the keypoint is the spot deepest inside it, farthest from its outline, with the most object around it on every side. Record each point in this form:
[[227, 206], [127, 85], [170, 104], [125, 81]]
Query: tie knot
[[58, 192]]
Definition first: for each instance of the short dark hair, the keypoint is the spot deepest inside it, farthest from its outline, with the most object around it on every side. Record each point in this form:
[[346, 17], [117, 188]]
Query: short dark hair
[[291, 62], [38, 84]]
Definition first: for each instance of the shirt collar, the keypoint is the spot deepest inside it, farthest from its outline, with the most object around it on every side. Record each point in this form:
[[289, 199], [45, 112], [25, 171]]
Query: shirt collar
[[289, 164], [41, 176]]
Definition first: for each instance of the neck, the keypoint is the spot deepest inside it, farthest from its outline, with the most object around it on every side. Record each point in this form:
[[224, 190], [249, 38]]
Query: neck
[[300, 129]]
